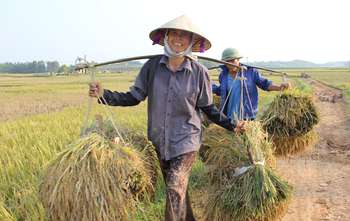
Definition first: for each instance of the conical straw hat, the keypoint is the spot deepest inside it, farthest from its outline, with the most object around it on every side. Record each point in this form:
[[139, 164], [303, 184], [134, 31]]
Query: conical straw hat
[[200, 43]]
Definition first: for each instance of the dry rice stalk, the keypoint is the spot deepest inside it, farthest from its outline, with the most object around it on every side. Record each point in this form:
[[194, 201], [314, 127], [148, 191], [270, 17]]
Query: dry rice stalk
[[291, 113], [258, 194], [248, 189], [285, 146], [224, 151], [94, 180], [137, 140]]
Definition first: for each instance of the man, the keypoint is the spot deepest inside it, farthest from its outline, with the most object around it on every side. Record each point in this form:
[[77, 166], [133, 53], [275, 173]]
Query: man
[[238, 87], [177, 87]]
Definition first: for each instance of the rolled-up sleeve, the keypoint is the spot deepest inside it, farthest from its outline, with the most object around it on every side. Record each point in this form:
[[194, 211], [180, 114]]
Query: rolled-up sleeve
[[260, 81]]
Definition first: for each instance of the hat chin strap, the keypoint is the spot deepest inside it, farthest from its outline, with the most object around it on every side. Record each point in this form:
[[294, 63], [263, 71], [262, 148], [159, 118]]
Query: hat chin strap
[[170, 53]]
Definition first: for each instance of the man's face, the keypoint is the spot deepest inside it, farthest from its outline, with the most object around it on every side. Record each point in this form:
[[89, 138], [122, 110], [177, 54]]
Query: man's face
[[179, 40], [235, 62]]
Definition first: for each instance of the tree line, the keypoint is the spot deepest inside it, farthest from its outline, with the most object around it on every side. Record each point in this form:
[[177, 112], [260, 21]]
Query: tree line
[[55, 67], [35, 67]]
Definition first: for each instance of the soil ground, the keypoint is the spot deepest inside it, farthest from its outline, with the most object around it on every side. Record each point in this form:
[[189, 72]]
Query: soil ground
[[321, 178]]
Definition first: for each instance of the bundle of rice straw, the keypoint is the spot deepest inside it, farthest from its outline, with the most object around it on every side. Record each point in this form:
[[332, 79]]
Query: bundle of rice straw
[[94, 180], [291, 113], [225, 150], [135, 139], [249, 189], [292, 145], [289, 121]]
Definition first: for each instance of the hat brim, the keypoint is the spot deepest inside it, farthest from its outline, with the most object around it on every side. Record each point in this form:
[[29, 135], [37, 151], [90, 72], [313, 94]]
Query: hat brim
[[157, 36]]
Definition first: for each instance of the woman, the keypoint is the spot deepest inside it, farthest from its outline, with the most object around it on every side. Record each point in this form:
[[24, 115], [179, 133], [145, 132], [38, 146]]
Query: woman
[[177, 87]]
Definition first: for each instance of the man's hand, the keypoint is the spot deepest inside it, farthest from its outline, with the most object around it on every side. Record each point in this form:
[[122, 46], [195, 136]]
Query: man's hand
[[240, 127], [285, 86], [95, 89]]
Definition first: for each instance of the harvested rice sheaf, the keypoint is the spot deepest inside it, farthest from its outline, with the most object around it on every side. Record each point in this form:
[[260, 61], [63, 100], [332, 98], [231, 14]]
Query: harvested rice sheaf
[[245, 186], [94, 179], [224, 151], [285, 146], [291, 113], [258, 194], [136, 139]]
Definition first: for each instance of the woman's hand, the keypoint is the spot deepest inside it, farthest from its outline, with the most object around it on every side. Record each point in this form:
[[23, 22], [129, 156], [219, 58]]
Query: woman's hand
[[95, 89]]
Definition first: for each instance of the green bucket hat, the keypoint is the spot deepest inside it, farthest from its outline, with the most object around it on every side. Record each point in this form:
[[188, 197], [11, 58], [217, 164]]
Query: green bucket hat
[[200, 43], [230, 54]]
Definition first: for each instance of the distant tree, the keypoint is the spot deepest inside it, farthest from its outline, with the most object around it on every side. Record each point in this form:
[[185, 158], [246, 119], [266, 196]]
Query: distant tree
[[52, 66], [41, 67], [33, 67]]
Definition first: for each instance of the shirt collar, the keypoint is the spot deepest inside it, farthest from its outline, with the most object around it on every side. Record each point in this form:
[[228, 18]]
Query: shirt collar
[[185, 65]]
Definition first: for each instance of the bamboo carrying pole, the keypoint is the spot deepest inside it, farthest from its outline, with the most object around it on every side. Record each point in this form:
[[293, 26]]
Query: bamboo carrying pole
[[250, 66], [83, 66]]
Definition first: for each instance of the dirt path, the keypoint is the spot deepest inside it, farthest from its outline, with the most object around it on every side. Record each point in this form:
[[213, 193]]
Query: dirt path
[[321, 179]]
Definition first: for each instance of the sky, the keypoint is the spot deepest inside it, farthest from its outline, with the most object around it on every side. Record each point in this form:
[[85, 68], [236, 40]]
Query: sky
[[103, 30]]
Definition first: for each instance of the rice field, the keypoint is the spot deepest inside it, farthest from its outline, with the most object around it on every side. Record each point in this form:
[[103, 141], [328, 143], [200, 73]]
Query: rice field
[[26, 95], [29, 140], [40, 116]]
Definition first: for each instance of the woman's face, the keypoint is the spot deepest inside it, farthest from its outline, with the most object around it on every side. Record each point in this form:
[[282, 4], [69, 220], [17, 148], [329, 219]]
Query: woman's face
[[179, 40]]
